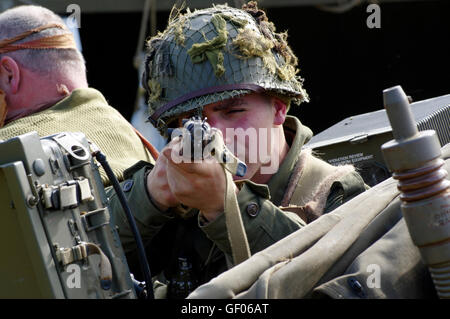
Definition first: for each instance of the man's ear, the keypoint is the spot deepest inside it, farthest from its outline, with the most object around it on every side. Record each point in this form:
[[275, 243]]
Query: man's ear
[[280, 111], [9, 75]]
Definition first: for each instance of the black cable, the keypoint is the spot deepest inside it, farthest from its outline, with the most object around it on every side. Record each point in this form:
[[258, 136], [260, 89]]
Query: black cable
[[145, 268]]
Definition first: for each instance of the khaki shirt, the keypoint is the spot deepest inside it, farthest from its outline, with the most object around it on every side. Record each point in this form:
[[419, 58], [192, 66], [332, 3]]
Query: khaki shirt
[[265, 223]]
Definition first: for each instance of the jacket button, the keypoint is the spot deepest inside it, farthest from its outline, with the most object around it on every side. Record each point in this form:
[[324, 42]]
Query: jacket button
[[252, 209], [127, 185], [356, 286]]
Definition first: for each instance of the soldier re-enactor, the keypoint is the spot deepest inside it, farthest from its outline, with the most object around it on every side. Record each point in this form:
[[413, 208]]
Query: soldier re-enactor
[[232, 66], [43, 88]]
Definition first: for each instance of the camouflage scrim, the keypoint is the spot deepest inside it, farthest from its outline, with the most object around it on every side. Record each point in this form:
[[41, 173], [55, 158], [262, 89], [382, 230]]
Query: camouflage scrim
[[214, 54]]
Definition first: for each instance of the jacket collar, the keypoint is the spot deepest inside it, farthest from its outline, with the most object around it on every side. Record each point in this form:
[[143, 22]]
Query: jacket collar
[[296, 135]]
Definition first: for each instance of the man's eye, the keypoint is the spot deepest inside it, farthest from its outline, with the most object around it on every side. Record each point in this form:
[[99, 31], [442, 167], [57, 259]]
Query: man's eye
[[235, 111]]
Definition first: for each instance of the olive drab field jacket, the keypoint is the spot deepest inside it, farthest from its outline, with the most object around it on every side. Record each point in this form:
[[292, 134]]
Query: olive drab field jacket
[[269, 212], [362, 249]]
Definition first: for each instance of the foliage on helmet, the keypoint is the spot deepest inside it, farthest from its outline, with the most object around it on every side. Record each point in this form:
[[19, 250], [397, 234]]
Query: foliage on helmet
[[219, 47]]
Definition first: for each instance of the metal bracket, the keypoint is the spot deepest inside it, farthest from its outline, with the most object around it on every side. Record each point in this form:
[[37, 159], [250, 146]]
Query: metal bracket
[[72, 146], [87, 216]]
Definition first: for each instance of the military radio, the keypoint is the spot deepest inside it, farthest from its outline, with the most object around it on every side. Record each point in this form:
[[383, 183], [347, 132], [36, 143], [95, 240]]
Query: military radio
[[357, 139], [57, 236]]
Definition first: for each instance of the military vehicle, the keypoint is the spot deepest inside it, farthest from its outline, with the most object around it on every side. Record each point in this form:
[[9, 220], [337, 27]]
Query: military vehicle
[[56, 230], [61, 242], [55, 225]]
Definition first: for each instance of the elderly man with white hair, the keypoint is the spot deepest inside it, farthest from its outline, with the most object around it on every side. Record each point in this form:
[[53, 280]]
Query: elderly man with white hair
[[43, 88]]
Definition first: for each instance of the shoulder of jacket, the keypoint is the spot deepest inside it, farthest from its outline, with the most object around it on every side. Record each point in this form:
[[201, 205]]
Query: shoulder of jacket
[[129, 172]]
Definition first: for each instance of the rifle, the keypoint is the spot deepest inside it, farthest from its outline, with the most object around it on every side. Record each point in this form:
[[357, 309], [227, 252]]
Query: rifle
[[200, 139]]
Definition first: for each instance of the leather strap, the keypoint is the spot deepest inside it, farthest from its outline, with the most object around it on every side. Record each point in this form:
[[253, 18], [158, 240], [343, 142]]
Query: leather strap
[[153, 151]]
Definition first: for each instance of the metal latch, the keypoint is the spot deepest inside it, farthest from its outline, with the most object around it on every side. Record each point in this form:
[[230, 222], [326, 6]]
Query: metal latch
[[69, 255], [67, 195], [85, 189]]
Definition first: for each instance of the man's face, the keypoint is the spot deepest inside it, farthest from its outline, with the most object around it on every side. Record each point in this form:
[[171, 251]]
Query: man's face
[[247, 124]]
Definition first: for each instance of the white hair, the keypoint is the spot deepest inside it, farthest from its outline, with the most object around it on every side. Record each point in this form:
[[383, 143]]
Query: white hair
[[52, 62]]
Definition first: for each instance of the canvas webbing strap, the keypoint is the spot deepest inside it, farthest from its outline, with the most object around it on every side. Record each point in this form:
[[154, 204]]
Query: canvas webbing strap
[[59, 41], [240, 248], [236, 232]]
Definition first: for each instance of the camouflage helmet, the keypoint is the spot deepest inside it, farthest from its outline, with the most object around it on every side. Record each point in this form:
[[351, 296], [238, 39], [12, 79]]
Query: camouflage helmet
[[214, 54]]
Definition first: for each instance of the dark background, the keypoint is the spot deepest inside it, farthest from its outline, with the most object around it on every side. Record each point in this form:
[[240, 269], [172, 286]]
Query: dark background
[[345, 64]]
